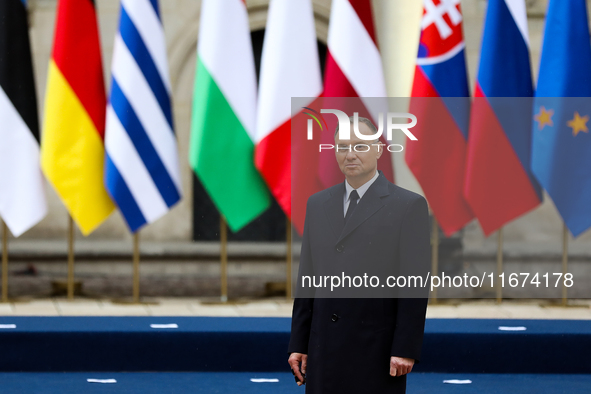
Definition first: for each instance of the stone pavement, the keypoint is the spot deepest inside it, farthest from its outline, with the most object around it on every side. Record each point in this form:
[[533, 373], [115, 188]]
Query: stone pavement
[[279, 307]]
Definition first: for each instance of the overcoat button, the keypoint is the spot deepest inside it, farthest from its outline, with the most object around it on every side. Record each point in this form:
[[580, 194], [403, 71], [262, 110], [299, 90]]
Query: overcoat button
[[340, 247], [334, 317]]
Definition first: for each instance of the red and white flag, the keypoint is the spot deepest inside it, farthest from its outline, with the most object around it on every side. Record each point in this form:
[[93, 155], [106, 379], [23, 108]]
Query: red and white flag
[[289, 68], [353, 69]]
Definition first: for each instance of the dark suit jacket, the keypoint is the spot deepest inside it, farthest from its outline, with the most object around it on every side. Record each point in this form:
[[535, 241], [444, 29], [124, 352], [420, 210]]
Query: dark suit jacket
[[349, 341]]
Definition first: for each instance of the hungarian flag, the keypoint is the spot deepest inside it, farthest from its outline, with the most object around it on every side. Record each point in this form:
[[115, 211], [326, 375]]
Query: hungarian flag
[[499, 185], [72, 150], [224, 110], [22, 197], [353, 69], [561, 153], [437, 157], [289, 68]]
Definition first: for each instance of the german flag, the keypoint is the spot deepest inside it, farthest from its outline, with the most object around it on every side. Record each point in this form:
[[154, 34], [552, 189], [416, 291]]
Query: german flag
[[72, 149]]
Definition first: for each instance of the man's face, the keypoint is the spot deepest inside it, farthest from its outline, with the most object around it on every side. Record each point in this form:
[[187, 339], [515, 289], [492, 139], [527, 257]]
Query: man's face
[[358, 158]]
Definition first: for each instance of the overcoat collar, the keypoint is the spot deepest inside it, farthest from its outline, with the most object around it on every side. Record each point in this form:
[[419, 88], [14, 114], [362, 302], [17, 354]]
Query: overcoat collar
[[367, 206]]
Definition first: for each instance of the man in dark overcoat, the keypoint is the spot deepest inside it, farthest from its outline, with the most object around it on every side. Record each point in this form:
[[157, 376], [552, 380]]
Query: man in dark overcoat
[[350, 340]]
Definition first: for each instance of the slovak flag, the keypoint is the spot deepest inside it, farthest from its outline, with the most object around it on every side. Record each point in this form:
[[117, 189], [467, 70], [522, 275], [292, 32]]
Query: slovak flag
[[437, 159], [499, 184]]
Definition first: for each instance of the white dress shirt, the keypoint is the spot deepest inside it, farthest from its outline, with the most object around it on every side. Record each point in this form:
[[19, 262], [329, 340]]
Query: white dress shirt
[[360, 190]]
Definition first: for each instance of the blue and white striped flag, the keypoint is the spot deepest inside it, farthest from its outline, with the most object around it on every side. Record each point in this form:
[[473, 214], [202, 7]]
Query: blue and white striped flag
[[142, 168]]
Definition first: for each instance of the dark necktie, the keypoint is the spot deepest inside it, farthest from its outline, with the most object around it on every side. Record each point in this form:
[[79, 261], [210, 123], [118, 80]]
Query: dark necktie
[[353, 197]]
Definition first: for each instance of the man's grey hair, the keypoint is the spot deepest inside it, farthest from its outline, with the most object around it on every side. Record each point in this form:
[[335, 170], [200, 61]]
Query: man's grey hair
[[361, 119]]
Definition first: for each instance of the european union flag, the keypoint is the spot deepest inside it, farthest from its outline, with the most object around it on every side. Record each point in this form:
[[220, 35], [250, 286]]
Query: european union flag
[[561, 151]]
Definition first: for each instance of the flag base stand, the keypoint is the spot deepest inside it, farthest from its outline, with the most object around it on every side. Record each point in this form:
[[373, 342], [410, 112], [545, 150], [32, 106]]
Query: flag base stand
[[558, 303], [133, 301], [17, 300], [219, 301], [59, 287], [276, 289], [446, 301], [435, 301], [484, 292]]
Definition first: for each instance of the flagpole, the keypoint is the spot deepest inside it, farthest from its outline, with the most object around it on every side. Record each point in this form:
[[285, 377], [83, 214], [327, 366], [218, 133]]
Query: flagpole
[[136, 267], [288, 258], [499, 265], [434, 256], [4, 261], [564, 262], [135, 258], [70, 258], [224, 258]]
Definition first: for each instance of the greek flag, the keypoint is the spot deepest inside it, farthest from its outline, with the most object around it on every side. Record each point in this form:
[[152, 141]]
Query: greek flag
[[141, 165]]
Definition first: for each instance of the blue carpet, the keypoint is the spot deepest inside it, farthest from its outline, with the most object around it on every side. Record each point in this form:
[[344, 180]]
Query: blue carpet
[[477, 346], [210, 344], [430, 383], [145, 383], [220, 382]]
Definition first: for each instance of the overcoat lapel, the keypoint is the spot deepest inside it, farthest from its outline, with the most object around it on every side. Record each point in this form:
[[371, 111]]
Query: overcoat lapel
[[368, 205], [334, 208]]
